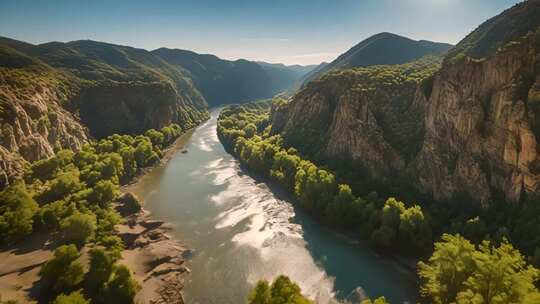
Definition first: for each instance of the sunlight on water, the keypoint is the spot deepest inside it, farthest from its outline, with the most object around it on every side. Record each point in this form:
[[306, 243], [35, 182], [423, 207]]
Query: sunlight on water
[[241, 232]]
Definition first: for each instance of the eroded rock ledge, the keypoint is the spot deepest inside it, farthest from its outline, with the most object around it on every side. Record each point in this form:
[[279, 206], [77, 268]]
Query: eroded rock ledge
[[155, 257]]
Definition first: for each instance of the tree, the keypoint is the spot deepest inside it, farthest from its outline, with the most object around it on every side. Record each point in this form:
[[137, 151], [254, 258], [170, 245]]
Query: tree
[[250, 130], [52, 214], [101, 268], [122, 287], [75, 297], [282, 291], [414, 231], [460, 272], [447, 269], [157, 138], [17, 209], [391, 213], [63, 272], [64, 184], [260, 294], [379, 300], [79, 227], [104, 191]]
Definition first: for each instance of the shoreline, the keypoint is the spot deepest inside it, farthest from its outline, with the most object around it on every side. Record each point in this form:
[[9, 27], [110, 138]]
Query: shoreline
[[155, 257]]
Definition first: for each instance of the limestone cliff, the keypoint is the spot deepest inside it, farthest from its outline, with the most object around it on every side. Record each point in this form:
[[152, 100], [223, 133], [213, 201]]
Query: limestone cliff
[[59, 95], [481, 126], [470, 129]]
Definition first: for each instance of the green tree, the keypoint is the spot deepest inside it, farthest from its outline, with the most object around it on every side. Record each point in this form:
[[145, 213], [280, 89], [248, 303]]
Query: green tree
[[63, 272], [379, 300], [260, 294], [17, 209], [79, 227], [99, 273], [104, 192], [75, 297], [459, 272], [414, 231], [250, 130], [122, 287], [157, 138], [284, 291]]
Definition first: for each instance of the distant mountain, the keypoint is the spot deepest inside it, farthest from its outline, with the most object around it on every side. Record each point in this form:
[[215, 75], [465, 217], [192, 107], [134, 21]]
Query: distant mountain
[[498, 31], [286, 77], [382, 48], [223, 81]]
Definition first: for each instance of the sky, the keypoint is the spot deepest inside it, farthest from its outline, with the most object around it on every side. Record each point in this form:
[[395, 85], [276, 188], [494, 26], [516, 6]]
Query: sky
[[279, 31]]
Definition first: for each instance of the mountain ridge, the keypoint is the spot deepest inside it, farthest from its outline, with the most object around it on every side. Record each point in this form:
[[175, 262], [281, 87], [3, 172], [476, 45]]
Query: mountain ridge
[[382, 49]]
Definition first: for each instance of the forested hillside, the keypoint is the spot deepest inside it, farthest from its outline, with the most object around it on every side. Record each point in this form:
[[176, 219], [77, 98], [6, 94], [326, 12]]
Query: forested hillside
[[58, 95], [382, 48], [223, 81]]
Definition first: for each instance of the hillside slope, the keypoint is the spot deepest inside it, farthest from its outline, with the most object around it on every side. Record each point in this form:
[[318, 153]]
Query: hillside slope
[[471, 130], [382, 49], [57, 95], [223, 81]]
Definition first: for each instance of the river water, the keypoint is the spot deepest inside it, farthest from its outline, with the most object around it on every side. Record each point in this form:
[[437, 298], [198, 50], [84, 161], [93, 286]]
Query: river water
[[242, 231]]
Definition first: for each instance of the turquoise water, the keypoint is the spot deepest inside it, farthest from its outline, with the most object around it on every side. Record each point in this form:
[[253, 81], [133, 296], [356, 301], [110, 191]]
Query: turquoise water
[[242, 231]]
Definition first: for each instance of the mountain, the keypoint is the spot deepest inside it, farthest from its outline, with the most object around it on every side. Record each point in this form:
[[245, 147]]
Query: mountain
[[468, 128], [286, 77], [382, 48], [58, 95], [223, 81]]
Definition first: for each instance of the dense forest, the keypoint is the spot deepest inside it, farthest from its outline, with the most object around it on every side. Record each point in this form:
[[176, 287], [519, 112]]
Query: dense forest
[[466, 265], [72, 197]]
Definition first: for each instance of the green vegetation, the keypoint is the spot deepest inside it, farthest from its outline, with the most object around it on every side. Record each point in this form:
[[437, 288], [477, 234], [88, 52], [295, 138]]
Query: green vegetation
[[71, 193], [281, 291], [458, 271], [379, 300], [388, 223], [382, 49], [75, 297], [461, 272], [497, 32], [63, 272]]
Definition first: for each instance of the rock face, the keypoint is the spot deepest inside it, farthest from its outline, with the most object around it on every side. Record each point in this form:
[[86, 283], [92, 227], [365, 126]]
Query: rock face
[[58, 95], [369, 116], [480, 126], [471, 129]]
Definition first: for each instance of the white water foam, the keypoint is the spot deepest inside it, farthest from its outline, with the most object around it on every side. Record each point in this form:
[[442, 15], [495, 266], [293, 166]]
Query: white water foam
[[267, 229]]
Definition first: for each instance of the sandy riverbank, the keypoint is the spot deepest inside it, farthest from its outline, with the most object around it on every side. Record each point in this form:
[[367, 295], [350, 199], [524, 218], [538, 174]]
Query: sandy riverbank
[[155, 257]]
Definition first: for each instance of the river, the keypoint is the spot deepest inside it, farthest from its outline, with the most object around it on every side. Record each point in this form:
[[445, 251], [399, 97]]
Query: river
[[242, 231]]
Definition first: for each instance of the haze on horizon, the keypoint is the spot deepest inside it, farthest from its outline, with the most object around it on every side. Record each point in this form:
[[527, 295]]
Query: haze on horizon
[[278, 31]]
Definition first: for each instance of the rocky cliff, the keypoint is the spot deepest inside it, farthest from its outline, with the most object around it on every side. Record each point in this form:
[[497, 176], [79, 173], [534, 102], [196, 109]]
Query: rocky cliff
[[470, 129], [59, 95]]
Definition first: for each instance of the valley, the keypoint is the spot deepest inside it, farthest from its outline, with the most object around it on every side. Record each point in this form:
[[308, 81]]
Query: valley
[[402, 170]]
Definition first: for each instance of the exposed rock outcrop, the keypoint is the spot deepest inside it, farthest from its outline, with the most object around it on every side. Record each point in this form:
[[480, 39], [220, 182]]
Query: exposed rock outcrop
[[155, 257], [471, 129], [59, 95]]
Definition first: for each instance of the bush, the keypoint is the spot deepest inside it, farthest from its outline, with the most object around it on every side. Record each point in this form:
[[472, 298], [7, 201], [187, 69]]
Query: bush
[[282, 291], [122, 287], [63, 272], [75, 297], [17, 210], [79, 227]]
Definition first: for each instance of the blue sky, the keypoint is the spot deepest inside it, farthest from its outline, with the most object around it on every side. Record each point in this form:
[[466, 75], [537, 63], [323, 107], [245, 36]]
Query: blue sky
[[288, 31]]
